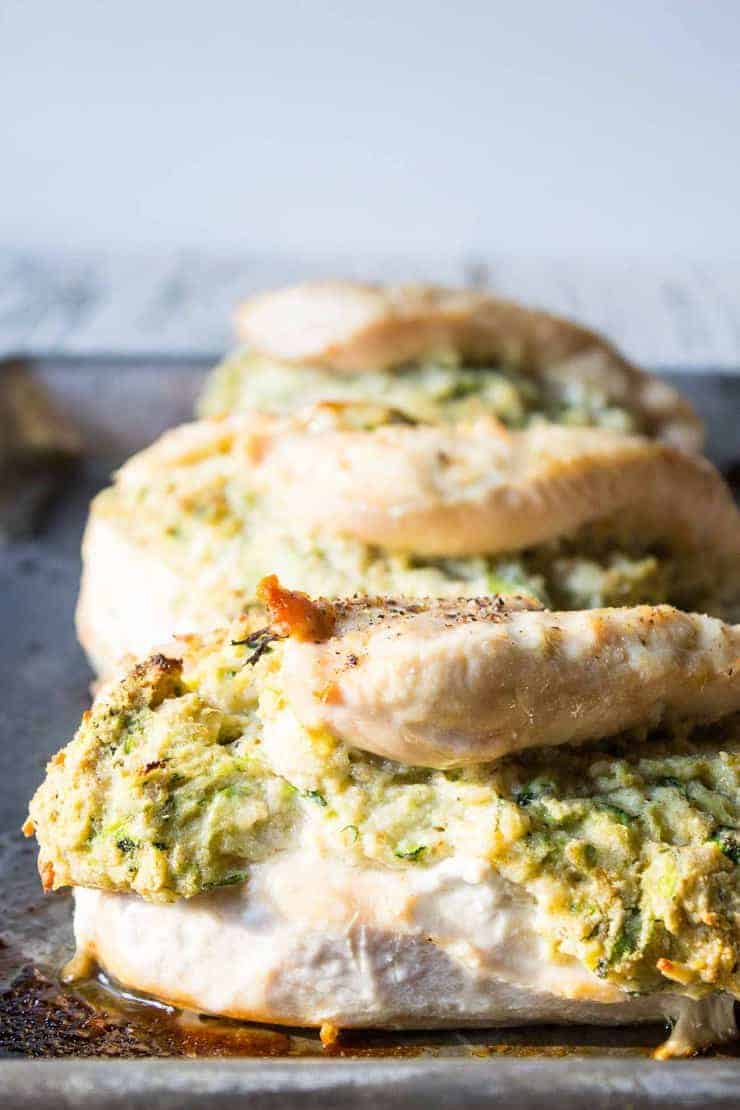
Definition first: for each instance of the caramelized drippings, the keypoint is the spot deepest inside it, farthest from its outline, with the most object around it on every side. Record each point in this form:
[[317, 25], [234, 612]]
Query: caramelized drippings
[[39, 1017]]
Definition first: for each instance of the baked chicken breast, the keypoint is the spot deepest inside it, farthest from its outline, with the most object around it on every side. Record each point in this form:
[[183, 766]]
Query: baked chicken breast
[[437, 355], [404, 813], [340, 499]]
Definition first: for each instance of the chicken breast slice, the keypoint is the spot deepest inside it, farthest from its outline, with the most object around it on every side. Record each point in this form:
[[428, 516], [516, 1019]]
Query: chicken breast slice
[[309, 940], [350, 326], [448, 493], [446, 684]]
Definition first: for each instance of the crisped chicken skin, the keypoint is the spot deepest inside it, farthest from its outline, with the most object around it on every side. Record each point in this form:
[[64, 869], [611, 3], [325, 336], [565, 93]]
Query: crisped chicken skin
[[352, 328], [445, 684]]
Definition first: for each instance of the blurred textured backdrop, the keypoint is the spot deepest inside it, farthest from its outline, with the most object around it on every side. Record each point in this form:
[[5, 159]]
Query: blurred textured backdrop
[[387, 124], [580, 154]]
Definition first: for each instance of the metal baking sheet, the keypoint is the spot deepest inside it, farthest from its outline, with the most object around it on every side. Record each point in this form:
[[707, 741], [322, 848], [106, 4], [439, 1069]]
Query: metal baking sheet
[[93, 1046]]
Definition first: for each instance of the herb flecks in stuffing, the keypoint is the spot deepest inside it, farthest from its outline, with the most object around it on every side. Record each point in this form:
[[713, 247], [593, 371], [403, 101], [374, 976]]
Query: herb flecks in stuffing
[[629, 849]]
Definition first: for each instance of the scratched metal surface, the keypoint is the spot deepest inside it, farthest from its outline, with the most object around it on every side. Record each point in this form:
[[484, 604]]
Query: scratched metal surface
[[120, 406]]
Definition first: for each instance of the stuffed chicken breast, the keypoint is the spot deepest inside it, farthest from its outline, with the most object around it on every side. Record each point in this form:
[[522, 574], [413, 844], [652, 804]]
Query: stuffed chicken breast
[[437, 355], [345, 499], [237, 853]]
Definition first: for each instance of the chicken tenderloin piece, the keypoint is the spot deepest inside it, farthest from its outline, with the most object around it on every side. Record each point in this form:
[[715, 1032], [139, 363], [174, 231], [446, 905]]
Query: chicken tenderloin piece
[[448, 494], [223, 851], [442, 684], [575, 517], [438, 354]]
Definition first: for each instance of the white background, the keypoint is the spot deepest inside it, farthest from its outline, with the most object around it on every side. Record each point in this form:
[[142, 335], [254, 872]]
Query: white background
[[586, 128]]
